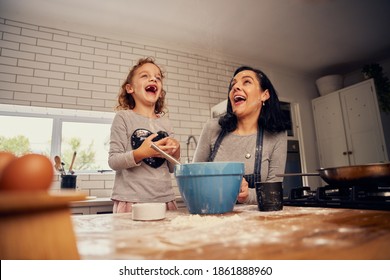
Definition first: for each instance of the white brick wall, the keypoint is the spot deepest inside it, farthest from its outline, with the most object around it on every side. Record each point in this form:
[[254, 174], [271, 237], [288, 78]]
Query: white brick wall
[[42, 66]]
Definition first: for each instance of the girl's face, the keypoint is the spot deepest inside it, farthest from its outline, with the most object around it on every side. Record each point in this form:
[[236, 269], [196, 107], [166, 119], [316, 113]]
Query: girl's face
[[146, 85], [246, 95]]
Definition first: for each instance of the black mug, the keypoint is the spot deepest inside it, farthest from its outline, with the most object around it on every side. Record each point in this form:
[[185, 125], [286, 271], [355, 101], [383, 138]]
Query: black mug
[[269, 196], [68, 181]]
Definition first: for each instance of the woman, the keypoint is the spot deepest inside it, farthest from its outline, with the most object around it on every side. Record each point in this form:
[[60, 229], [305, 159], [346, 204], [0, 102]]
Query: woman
[[253, 131]]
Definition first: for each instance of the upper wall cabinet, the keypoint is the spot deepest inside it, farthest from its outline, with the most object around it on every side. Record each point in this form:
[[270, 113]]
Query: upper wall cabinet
[[348, 127]]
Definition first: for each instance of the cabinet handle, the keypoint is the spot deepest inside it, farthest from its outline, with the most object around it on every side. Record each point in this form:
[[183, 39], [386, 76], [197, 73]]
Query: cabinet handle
[[347, 153]]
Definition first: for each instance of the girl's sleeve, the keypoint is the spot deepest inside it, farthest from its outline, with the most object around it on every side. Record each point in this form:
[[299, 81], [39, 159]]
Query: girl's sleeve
[[119, 158]]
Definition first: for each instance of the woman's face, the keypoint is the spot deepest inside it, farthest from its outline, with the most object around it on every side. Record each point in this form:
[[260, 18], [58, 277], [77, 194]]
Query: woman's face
[[246, 95], [146, 85]]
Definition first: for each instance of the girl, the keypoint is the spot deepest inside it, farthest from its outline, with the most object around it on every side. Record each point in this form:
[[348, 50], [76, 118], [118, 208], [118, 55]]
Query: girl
[[142, 175]]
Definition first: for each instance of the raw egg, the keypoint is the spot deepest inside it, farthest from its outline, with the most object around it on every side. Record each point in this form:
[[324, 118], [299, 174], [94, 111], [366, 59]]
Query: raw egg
[[31, 172], [5, 159]]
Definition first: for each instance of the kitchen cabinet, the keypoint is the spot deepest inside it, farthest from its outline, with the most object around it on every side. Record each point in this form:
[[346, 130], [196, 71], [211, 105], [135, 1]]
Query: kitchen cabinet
[[348, 127], [93, 206], [85, 210]]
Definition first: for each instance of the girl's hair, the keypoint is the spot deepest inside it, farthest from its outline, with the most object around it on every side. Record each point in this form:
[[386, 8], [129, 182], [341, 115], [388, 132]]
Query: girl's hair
[[271, 116], [126, 101]]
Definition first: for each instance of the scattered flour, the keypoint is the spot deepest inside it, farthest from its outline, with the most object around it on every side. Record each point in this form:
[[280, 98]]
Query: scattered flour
[[202, 221]]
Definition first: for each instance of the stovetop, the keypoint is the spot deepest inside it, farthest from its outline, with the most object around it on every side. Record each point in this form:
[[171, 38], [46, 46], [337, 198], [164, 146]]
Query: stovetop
[[354, 197]]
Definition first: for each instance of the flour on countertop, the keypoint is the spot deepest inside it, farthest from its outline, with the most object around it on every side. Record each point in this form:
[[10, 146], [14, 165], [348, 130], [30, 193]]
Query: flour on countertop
[[202, 221]]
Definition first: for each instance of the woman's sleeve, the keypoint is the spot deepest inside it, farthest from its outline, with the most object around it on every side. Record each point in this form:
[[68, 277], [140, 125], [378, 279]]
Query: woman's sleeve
[[202, 151], [171, 133], [278, 158]]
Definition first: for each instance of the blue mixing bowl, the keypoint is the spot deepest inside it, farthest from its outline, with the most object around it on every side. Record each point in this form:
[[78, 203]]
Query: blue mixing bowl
[[209, 187]]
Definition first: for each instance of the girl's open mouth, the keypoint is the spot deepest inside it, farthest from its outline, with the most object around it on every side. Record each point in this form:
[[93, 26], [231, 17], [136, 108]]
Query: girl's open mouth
[[151, 88]]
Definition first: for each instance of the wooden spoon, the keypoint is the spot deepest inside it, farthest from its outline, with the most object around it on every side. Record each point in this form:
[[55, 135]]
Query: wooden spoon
[[58, 165], [164, 154], [71, 164]]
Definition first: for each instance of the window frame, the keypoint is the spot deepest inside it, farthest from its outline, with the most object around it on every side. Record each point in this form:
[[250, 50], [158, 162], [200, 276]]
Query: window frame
[[58, 115]]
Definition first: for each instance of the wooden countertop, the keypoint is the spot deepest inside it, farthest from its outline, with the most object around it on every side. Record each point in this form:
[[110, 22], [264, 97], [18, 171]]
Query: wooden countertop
[[246, 233]]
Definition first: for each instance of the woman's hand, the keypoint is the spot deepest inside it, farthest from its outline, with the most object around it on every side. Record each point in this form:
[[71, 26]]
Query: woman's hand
[[244, 191]]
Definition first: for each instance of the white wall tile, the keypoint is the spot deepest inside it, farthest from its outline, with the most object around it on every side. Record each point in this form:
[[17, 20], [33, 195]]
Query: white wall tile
[[15, 87], [32, 80], [10, 29], [66, 53], [8, 61], [79, 63], [21, 24], [78, 78], [49, 74], [47, 90], [63, 84], [33, 64], [8, 77], [19, 39], [37, 34], [94, 44], [17, 54], [30, 96], [51, 44], [6, 94], [92, 86], [9, 45], [66, 39], [93, 57], [80, 49], [77, 93], [50, 58], [64, 68], [105, 81]]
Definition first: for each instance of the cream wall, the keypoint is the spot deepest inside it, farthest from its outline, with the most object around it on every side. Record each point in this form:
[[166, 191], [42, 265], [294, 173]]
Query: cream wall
[[42, 66]]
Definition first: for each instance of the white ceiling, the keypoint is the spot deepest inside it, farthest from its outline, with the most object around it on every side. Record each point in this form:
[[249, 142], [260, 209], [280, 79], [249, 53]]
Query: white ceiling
[[312, 36]]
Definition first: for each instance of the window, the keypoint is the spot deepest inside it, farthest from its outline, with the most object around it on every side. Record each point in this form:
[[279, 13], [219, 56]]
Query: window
[[23, 135], [62, 132]]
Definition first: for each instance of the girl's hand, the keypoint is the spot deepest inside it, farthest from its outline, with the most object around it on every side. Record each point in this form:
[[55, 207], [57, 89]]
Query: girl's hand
[[167, 144], [145, 151], [170, 146], [244, 191]]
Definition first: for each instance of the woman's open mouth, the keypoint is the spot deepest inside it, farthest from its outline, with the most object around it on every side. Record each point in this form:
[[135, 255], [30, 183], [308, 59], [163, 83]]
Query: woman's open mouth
[[238, 99]]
